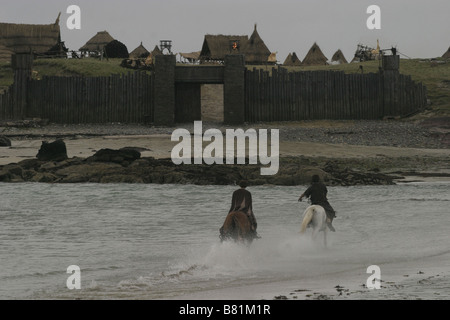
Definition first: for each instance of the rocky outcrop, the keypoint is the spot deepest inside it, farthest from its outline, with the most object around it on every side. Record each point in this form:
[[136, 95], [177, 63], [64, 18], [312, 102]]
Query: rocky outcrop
[[53, 151], [126, 166], [119, 166], [123, 156], [5, 142]]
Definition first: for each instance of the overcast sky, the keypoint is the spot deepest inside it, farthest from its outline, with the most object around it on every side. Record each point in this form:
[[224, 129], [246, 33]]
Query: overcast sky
[[419, 29]]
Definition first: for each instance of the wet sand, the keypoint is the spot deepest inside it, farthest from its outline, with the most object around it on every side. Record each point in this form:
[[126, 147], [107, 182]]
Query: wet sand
[[406, 280], [160, 146]]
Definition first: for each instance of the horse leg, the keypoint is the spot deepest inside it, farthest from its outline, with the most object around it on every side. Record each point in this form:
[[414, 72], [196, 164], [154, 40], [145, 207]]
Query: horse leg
[[325, 237], [314, 233]]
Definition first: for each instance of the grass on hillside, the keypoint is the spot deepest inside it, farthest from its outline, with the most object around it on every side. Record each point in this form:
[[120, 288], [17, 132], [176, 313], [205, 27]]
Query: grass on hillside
[[66, 67]]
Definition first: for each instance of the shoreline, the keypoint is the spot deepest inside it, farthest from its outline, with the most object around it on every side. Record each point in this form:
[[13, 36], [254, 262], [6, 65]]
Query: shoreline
[[400, 280], [389, 152]]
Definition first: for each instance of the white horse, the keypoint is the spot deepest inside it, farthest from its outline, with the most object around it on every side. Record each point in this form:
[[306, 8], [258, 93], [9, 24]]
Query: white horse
[[318, 218]]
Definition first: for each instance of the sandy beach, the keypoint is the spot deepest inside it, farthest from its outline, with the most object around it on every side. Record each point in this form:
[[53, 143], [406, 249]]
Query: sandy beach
[[361, 141], [160, 146]]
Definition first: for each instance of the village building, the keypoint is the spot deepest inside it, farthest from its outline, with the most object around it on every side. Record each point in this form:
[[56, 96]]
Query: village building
[[292, 60], [338, 58], [96, 45], [140, 52], [191, 57], [315, 57], [216, 47], [41, 40], [116, 49], [446, 55], [255, 50], [151, 57]]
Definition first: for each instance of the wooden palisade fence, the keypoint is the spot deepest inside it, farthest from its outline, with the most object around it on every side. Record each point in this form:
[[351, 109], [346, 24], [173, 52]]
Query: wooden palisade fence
[[123, 98], [6, 105], [276, 96], [293, 96]]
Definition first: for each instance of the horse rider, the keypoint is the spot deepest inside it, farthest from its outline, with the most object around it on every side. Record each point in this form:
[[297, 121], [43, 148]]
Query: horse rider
[[242, 201], [317, 193]]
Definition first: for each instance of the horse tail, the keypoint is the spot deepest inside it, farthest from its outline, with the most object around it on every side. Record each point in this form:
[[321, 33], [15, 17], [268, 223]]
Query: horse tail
[[307, 217], [236, 226]]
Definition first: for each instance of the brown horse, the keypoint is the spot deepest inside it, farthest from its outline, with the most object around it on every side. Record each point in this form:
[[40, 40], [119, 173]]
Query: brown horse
[[237, 227]]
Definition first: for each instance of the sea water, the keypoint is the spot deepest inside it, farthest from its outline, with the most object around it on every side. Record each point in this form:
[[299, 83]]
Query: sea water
[[147, 241]]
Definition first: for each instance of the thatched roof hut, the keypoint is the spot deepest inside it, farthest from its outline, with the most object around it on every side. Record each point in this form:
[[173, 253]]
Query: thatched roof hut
[[315, 56], [151, 57], [156, 51], [116, 49], [36, 38], [216, 47], [98, 42], [139, 52], [446, 55], [339, 58], [292, 60], [255, 50]]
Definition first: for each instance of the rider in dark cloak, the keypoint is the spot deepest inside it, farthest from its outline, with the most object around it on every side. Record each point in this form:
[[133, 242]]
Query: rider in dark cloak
[[242, 201], [317, 193]]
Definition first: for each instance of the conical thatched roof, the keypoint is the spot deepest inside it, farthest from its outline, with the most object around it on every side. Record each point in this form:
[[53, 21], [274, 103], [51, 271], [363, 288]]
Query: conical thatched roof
[[315, 56], [97, 42], [139, 52], [216, 47], [447, 54], [292, 60], [255, 50], [5, 53], [35, 38], [339, 57], [151, 57], [156, 51]]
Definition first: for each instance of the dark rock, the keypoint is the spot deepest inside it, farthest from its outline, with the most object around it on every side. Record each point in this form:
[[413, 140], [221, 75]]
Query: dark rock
[[5, 176], [30, 164], [115, 156], [14, 169], [28, 174], [44, 177], [5, 142], [88, 172], [54, 151]]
